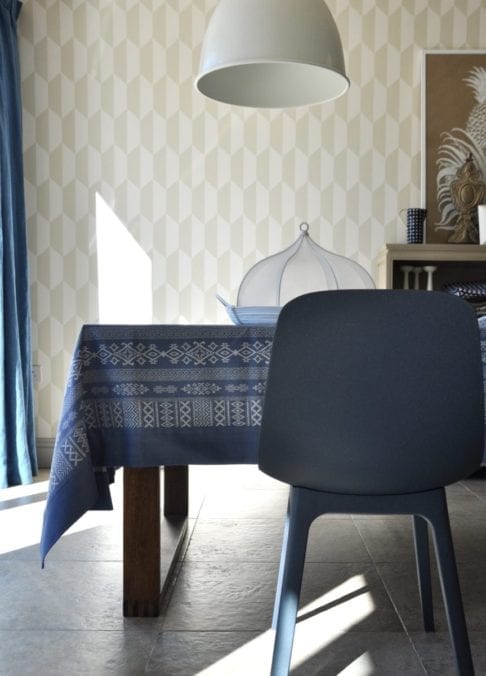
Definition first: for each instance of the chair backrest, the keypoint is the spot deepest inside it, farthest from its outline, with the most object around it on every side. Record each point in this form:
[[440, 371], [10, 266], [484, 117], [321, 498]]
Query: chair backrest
[[374, 392]]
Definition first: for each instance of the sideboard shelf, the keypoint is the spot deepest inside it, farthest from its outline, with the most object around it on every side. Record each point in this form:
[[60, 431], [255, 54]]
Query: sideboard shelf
[[455, 263]]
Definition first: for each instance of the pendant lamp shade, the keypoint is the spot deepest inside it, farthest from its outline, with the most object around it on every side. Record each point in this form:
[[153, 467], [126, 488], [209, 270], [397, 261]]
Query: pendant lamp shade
[[272, 54]]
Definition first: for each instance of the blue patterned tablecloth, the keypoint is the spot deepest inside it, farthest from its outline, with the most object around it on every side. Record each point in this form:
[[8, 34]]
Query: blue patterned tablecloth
[[142, 396]]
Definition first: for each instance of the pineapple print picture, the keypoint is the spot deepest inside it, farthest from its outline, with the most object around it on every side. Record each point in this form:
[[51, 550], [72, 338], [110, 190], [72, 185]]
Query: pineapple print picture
[[454, 138]]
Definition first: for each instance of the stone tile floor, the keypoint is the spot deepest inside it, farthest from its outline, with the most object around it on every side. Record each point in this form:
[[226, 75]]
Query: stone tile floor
[[359, 606]]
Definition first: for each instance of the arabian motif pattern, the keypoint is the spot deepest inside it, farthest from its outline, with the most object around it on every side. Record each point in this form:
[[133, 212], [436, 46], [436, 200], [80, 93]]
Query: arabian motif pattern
[[165, 379]]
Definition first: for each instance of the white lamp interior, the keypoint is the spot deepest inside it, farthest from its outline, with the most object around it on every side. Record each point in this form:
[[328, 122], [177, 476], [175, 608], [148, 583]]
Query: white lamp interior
[[272, 85]]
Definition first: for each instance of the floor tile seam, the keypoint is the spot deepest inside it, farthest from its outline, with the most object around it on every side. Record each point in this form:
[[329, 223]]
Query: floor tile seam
[[135, 629], [245, 519], [148, 659], [344, 632], [341, 562], [64, 562], [167, 597], [473, 506], [233, 559], [201, 503], [223, 561], [392, 602], [70, 560], [237, 519], [186, 544], [157, 631], [399, 561], [189, 535], [365, 544], [213, 631], [481, 498], [400, 619], [417, 653], [378, 631], [258, 521]]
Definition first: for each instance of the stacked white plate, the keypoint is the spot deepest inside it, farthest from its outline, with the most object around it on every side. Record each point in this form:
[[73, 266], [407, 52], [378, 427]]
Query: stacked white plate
[[251, 314]]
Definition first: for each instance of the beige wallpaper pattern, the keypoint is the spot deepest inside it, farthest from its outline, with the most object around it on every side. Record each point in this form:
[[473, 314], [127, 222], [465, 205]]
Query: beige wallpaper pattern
[[135, 184]]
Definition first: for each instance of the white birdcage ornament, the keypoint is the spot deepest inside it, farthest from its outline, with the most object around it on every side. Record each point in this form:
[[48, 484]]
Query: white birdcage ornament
[[301, 268]]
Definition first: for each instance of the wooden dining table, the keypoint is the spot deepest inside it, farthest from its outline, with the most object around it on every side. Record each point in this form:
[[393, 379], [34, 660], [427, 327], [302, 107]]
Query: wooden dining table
[[142, 398]]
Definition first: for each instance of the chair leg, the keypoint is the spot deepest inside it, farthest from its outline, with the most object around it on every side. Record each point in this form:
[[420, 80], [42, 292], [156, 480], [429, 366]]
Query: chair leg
[[290, 580], [281, 568], [422, 555], [439, 520]]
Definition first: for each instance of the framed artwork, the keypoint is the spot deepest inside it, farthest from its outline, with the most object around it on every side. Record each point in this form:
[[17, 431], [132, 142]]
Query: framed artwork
[[453, 142]]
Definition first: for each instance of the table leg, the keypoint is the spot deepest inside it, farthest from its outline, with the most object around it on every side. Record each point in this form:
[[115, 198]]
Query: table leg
[[148, 562], [176, 490]]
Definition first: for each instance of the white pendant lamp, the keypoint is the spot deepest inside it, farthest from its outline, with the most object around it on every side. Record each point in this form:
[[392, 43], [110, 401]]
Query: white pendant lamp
[[272, 54]]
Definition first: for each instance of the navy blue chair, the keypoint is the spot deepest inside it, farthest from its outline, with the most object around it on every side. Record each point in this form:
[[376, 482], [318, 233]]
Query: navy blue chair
[[374, 404]]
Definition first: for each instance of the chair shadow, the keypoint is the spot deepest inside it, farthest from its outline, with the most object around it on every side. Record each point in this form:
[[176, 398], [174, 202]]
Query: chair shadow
[[332, 604]]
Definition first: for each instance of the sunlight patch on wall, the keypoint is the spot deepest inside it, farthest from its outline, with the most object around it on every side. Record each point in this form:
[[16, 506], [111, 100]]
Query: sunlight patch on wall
[[124, 271]]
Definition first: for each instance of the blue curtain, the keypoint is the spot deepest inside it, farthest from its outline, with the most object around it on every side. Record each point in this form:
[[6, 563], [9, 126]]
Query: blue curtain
[[17, 447]]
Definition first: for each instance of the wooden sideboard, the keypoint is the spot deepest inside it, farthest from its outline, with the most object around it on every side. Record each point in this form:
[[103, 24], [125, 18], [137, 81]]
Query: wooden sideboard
[[455, 263]]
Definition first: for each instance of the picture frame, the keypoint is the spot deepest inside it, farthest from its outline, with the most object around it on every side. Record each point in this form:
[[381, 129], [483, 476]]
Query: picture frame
[[453, 129]]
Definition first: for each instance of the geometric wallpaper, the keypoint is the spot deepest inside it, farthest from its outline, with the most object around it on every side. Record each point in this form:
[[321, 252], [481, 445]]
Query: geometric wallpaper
[[145, 199]]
